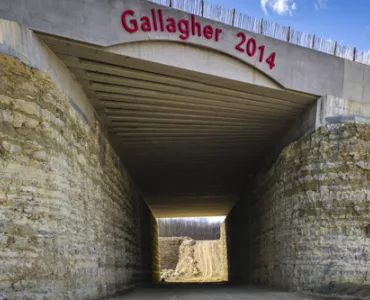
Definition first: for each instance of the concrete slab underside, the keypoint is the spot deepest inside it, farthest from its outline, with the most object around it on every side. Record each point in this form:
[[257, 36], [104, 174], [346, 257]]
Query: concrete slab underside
[[212, 292], [189, 139]]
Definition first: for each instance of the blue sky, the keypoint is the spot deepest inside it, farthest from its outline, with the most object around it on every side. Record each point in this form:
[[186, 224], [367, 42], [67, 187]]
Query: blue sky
[[344, 21]]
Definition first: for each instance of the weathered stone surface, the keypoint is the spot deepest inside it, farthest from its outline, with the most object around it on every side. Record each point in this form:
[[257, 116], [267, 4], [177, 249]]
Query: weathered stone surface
[[196, 261], [72, 223], [169, 251], [223, 246], [311, 210]]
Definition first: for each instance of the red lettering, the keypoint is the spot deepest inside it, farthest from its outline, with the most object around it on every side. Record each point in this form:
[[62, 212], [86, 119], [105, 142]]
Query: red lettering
[[271, 60], [184, 29], [171, 26], [154, 17], [133, 21], [252, 51], [208, 31], [218, 32], [161, 21], [262, 49], [156, 21], [145, 25], [239, 46], [195, 24]]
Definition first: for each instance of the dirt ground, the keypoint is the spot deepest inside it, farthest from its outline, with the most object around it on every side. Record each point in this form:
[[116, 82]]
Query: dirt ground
[[213, 291]]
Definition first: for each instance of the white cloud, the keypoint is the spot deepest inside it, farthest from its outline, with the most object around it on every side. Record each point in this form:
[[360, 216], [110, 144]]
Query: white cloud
[[320, 4], [281, 7]]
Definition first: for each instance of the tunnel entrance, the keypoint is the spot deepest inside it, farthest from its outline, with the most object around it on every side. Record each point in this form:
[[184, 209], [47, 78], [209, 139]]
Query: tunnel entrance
[[191, 135], [193, 250], [103, 131]]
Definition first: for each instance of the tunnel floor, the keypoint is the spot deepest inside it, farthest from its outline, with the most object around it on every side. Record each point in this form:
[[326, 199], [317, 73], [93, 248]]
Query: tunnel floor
[[212, 291]]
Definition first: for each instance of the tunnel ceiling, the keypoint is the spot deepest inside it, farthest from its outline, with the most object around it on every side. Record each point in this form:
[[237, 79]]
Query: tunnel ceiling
[[188, 139]]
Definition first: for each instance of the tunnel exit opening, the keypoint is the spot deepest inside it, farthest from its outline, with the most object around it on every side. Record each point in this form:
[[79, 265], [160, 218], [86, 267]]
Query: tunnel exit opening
[[192, 250]]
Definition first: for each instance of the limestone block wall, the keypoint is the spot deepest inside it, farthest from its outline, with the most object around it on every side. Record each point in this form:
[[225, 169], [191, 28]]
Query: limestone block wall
[[169, 251], [310, 213], [72, 223]]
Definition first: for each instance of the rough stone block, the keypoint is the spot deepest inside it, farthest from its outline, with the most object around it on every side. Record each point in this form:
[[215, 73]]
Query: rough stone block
[[63, 214]]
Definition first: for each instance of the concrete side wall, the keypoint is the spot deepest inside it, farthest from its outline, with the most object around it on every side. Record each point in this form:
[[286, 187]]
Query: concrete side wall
[[238, 234], [169, 251], [305, 124], [310, 212], [72, 223], [149, 243]]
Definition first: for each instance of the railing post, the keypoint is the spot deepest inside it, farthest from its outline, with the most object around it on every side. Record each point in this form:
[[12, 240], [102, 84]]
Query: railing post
[[233, 17], [289, 36], [261, 29], [313, 41]]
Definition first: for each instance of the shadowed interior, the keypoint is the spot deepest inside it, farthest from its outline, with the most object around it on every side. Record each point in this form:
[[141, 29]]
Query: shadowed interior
[[189, 139]]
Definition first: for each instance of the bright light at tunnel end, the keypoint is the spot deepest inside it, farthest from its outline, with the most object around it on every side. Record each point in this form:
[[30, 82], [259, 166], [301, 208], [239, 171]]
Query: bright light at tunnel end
[[219, 219]]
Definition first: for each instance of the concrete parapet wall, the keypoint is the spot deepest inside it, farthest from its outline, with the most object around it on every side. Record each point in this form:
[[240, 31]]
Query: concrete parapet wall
[[100, 24], [69, 226], [310, 212], [332, 109]]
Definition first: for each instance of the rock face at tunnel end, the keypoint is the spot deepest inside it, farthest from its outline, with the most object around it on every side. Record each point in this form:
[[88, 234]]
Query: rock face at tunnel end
[[197, 261]]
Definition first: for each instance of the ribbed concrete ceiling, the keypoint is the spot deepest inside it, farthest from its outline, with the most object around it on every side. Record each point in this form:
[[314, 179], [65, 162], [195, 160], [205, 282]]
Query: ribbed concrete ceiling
[[188, 139]]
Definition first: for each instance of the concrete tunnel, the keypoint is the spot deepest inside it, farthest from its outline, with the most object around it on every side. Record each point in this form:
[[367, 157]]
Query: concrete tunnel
[[107, 125]]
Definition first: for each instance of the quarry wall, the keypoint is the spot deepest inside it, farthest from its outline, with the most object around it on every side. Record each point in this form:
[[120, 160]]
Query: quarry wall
[[169, 251], [310, 212], [73, 225], [304, 224]]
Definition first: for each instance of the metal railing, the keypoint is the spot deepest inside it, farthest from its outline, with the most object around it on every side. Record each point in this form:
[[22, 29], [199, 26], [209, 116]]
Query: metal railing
[[285, 33]]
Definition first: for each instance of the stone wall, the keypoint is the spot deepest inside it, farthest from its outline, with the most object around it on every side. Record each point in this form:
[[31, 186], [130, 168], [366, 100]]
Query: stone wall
[[311, 212], [169, 251], [69, 225]]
